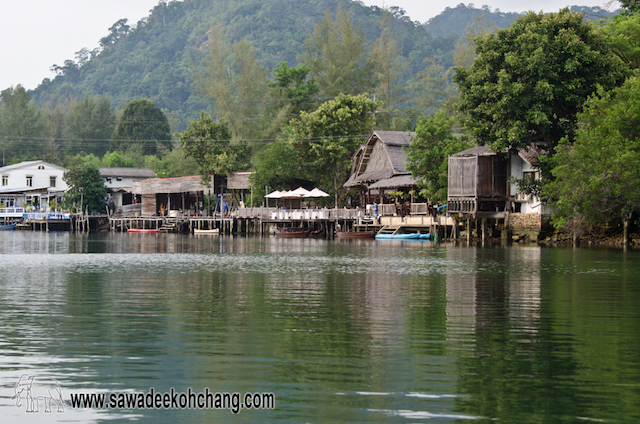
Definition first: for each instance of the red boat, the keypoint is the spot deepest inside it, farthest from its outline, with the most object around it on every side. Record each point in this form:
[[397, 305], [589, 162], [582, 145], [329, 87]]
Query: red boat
[[355, 234], [140, 230], [292, 232]]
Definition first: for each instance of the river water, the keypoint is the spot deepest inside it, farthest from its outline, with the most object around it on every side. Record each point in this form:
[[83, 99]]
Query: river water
[[338, 331]]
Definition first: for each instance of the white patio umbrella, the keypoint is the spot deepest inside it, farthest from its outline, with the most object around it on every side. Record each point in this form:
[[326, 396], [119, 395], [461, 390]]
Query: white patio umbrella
[[303, 192], [274, 195], [316, 192]]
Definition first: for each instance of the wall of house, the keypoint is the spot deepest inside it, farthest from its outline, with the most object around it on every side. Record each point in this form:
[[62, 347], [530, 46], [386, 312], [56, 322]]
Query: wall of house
[[41, 178], [528, 204]]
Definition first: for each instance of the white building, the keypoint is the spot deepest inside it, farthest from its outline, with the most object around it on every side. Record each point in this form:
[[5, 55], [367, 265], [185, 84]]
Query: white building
[[34, 183]]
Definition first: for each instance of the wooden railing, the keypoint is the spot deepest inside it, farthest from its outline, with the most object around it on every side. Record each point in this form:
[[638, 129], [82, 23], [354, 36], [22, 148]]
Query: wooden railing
[[326, 213]]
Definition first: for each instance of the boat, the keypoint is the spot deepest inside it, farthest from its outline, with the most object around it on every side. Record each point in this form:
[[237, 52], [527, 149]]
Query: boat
[[214, 232], [8, 227], [355, 234], [292, 232], [143, 230], [403, 236]]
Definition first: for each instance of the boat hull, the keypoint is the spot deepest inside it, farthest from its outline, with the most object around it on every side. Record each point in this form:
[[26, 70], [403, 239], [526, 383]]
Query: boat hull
[[406, 236], [140, 230], [292, 232], [355, 234], [213, 232], [8, 227]]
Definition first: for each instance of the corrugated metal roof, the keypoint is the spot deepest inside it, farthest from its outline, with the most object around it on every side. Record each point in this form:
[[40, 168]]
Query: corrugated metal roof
[[127, 172]]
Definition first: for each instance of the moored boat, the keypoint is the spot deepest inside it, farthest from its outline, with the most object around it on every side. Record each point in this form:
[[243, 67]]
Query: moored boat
[[213, 232], [403, 236], [143, 230], [355, 234], [8, 227], [292, 232]]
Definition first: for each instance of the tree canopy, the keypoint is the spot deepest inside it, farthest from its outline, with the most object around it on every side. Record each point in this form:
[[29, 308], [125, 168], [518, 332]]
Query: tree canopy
[[209, 143], [530, 80], [336, 52], [143, 126], [598, 176], [91, 123], [326, 139], [87, 188], [428, 154]]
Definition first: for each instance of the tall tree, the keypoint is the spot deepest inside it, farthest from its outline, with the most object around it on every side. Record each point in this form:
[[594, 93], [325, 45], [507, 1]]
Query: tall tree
[[87, 188], [530, 80], [327, 138], [622, 33], [143, 126], [24, 127], [336, 52], [90, 123], [390, 65], [294, 88], [237, 83], [209, 143], [598, 177]]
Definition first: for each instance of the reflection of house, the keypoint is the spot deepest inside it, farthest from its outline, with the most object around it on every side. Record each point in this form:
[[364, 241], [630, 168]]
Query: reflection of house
[[35, 182], [119, 183], [380, 165], [479, 186]]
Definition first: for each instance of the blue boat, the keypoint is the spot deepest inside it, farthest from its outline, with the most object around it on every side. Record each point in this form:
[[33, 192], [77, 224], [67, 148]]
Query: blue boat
[[8, 227], [403, 236]]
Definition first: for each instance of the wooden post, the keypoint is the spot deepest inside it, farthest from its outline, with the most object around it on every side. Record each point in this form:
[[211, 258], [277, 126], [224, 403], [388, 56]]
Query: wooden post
[[484, 229]]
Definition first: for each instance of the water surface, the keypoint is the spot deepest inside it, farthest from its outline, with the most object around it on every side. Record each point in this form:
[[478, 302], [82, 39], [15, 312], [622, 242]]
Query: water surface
[[339, 331]]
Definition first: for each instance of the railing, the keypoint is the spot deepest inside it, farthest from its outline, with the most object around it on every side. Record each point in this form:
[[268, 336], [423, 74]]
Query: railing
[[326, 213], [419, 209], [12, 212], [130, 210], [46, 215], [386, 210]]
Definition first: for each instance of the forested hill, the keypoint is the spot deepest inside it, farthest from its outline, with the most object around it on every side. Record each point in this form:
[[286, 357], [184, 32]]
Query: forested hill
[[454, 21], [155, 57]]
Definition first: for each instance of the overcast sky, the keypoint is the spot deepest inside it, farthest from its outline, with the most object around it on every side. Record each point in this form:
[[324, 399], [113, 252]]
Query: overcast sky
[[37, 34]]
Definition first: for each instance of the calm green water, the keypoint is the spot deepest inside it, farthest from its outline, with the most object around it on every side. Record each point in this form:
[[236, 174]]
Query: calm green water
[[338, 331]]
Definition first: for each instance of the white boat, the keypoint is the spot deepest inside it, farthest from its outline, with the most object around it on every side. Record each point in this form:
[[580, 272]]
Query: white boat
[[213, 232]]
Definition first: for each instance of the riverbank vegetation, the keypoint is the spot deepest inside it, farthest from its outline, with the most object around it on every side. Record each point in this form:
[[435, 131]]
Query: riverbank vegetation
[[295, 99]]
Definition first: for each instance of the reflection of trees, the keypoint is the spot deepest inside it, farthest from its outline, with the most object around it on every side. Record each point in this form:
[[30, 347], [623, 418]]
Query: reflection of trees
[[514, 366]]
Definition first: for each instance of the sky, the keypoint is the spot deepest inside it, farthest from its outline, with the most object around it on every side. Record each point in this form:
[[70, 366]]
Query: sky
[[37, 34]]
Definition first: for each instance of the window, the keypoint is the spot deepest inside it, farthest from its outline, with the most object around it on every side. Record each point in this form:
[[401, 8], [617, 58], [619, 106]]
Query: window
[[529, 177], [52, 181], [119, 178], [29, 181], [5, 180], [108, 179]]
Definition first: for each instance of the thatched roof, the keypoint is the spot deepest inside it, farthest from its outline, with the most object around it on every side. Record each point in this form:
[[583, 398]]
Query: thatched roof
[[396, 181], [529, 155], [386, 157], [238, 180]]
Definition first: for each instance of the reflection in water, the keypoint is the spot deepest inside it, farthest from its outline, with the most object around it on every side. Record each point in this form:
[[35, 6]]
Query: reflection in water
[[339, 331]]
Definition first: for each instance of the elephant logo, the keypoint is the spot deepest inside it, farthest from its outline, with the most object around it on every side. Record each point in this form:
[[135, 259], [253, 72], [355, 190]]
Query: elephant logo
[[45, 388]]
